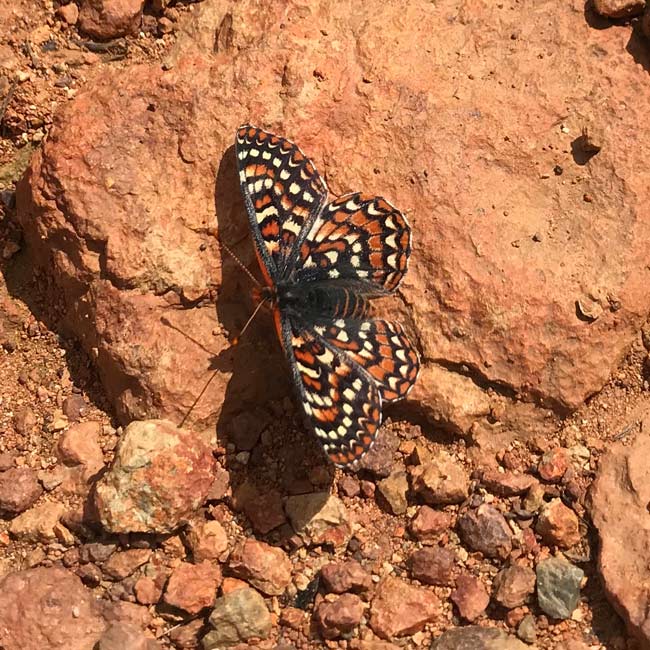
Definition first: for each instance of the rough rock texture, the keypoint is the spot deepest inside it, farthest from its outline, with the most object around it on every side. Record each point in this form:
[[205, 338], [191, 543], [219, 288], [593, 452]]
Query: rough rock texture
[[441, 480], [521, 279], [106, 19], [193, 587], [19, 489], [619, 8], [40, 524], [47, 608], [319, 518], [477, 638], [266, 567], [558, 586], [470, 597], [399, 608], [160, 475], [339, 577], [513, 585], [339, 617], [486, 530], [623, 486], [558, 524]]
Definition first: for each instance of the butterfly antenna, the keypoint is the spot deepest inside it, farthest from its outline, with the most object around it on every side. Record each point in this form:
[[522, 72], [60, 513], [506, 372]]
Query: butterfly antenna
[[235, 339], [199, 396], [241, 264]]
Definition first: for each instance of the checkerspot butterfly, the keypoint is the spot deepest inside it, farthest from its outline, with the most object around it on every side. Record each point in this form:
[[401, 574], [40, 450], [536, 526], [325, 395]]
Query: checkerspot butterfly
[[322, 263]]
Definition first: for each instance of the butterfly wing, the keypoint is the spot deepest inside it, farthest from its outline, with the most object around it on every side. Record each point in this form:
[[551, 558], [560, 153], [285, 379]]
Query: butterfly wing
[[356, 238], [282, 191]]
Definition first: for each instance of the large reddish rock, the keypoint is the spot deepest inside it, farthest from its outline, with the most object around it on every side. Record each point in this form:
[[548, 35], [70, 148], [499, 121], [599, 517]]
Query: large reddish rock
[[47, 608], [160, 475], [106, 19], [618, 502], [193, 587], [266, 567], [521, 278]]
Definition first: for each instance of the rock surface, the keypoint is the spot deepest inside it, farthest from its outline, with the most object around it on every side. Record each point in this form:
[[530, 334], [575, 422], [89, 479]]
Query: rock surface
[[477, 638], [339, 617], [319, 518], [19, 489], [470, 597], [132, 163], [193, 587], [160, 475], [558, 586], [265, 567], [623, 486], [486, 530], [107, 19]]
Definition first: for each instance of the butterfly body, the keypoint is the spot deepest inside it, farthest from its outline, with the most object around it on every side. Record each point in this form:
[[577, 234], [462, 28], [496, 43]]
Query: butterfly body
[[322, 264]]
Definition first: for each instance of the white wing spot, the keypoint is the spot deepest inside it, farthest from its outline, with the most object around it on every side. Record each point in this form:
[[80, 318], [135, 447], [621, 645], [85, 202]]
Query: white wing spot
[[333, 273], [266, 155], [306, 196], [277, 162], [294, 188], [254, 153]]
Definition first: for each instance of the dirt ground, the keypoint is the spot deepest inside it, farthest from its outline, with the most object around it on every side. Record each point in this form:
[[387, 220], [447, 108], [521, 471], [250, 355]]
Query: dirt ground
[[39, 368]]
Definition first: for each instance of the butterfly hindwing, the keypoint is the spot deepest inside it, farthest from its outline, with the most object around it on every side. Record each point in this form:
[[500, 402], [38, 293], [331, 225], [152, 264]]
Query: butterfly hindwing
[[356, 237], [282, 190]]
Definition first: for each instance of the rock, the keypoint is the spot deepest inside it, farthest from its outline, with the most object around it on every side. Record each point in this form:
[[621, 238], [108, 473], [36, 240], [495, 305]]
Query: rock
[[207, 540], [68, 13], [558, 525], [47, 608], [238, 616], [40, 524], [187, 636], [338, 618], [513, 585], [96, 552], [126, 635], [619, 8], [74, 406], [263, 509], [123, 564], [160, 475], [19, 489], [486, 530], [193, 587], [622, 485], [428, 524], [245, 429], [266, 567], [394, 489], [107, 19], [339, 577], [379, 461], [507, 484], [319, 518], [78, 448], [434, 566], [399, 608], [474, 637], [558, 587], [553, 465], [374, 644], [527, 630], [440, 481], [147, 591], [470, 597], [534, 499], [349, 486]]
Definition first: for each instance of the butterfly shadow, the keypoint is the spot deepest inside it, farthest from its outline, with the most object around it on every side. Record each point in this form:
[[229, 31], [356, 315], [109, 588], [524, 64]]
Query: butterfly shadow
[[268, 444]]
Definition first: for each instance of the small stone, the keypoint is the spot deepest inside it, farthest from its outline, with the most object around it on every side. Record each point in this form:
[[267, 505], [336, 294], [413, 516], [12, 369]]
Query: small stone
[[338, 618], [474, 637], [263, 508], [349, 486], [90, 574], [428, 524], [79, 449], [246, 428], [147, 591], [165, 25], [123, 635], [267, 568], [207, 540], [7, 460], [339, 577], [441, 480], [434, 566], [534, 499], [68, 13], [486, 530], [74, 406], [237, 617], [470, 597], [193, 587], [619, 8], [507, 484], [513, 585], [394, 489], [52, 478], [379, 460], [292, 617], [19, 489], [558, 525], [375, 644], [558, 587], [107, 19], [96, 552], [39, 524], [399, 608], [319, 518], [526, 630], [553, 465], [121, 565], [186, 637]]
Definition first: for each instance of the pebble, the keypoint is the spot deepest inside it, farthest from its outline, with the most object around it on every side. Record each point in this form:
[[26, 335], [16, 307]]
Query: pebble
[[473, 637], [121, 565], [120, 636], [339, 577], [193, 587], [619, 8], [399, 608], [558, 525], [379, 460], [534, 499], [19, 489], [237, 617], [96, 552], [187, 636], [470, 597], [434, 566], [68, 13], [428, 524], [40, 524], [349, 486], [512, 586], [245, 429], [558, 587], [338, 618], [207, 540], [394, 489], [486, 530], [263, 508], [527, 630], [107, 19], [147, 591], [507, 484], [553, 465], [74, 406], [319, 518], [266, 567], [441, 480]]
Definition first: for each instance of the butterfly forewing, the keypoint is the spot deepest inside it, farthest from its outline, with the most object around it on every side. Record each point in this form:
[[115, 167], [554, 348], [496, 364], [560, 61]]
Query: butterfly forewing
[[356, 237], [283, 194]]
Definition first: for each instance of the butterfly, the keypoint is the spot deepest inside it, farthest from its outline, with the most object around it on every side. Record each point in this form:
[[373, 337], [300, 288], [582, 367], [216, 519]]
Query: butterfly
[[322, 263]]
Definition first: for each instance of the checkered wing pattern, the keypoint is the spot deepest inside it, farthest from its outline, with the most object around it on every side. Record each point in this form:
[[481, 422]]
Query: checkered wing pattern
[[283, 193], [341, 400], [356, 237]]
